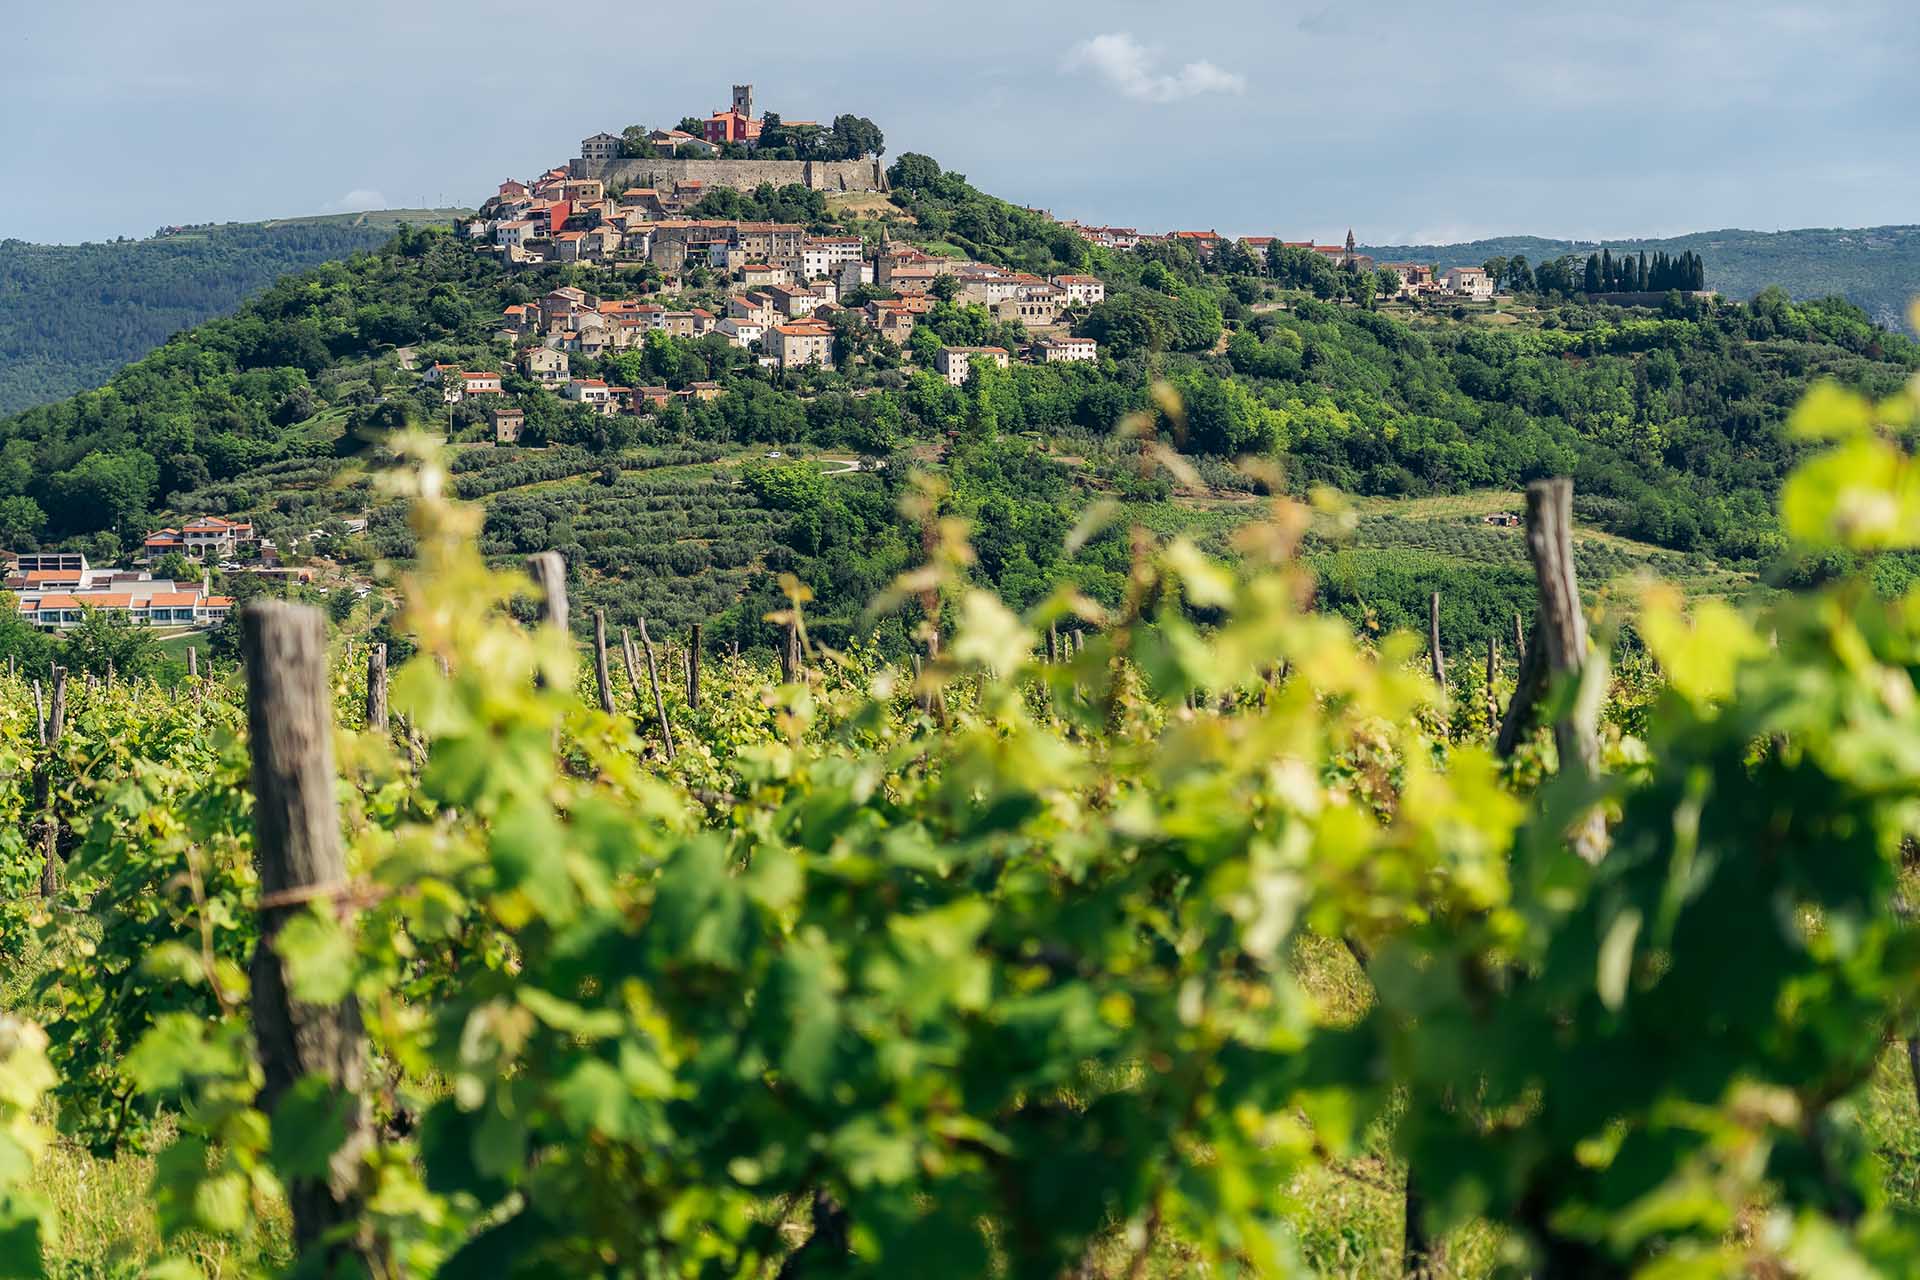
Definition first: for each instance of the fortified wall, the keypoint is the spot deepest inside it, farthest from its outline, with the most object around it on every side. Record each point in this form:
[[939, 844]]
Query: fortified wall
[[742, 175]]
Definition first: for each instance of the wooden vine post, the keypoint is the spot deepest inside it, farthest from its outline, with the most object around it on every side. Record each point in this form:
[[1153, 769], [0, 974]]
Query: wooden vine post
[[693, 667], [1493, 672], [631, 656], [549, 574], [1563, 624], [653, 678], [377, 688], [298, 849], [600, 673], [1557, 650], [1433, 642], [51, 731]]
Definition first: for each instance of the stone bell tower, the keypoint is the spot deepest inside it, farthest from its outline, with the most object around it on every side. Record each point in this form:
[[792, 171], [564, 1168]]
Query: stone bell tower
[[743, 100]]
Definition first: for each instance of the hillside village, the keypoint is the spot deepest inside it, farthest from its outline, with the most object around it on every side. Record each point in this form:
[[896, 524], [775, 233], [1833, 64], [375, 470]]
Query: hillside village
[[649, 267], [782, 291]]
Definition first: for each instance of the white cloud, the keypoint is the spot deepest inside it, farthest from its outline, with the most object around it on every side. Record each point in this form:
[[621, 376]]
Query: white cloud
[[359, 200], [1134, 70]]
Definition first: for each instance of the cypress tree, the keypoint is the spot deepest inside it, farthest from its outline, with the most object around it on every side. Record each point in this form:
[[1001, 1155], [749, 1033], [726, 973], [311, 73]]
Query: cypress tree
[[1609, 275], [1640, 273], [1593, 273]]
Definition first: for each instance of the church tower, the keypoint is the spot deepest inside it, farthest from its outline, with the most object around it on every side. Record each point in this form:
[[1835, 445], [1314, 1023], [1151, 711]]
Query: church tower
[[1350, 253], [743, 100]]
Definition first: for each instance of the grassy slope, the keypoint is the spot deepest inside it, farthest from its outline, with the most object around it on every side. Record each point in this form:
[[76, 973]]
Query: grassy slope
[[71, 315], [1877, 268]]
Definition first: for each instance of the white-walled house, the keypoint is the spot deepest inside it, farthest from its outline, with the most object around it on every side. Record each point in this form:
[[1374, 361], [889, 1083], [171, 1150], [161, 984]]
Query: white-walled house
[[956, 363], [1468, 282]]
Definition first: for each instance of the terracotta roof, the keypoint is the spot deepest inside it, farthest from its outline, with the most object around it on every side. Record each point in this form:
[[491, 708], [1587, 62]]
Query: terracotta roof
[[174, 599], [57, 602]]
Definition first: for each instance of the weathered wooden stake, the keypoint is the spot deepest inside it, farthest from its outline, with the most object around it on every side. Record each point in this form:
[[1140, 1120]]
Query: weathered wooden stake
[[193, 663], [298, 850], [1519, 638], [39, 714], [653, 678], [377, 688], [693, 668], [549, 574], [788, 664], [1433, 642], [1529, 686], [1563, 622], [1560, 633], [1493, 670], [1053, 642], [631, 657], [600, 660], [50, 821]]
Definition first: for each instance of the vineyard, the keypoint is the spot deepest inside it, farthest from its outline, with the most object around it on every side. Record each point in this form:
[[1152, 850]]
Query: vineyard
[[1196, 935]]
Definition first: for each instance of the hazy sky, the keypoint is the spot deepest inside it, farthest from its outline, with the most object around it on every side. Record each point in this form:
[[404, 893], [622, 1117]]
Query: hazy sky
[[1404, 119]]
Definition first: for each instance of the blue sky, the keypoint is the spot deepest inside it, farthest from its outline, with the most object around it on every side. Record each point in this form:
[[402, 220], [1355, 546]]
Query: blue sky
[[1404, 119]]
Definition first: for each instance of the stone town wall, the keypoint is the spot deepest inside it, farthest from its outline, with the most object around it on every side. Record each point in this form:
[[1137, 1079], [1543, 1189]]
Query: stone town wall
[[743, 175]]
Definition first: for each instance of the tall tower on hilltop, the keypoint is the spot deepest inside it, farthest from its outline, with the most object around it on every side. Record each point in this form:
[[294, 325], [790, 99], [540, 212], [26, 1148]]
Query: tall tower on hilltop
[[743, 100], [1348, 260]]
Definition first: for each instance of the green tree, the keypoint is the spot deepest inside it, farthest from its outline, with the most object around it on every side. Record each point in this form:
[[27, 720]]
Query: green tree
[[106, 638], [21, 521], [176, 568], [913, 172], [113, 489], [858, 136], [20, 640]]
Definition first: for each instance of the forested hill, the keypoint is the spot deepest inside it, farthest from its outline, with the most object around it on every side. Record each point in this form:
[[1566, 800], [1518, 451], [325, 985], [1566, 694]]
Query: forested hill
[[1875, 268], [70, 315], [1673, 422]]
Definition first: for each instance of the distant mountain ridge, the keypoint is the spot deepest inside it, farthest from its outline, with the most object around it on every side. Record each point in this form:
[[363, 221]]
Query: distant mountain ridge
[[1876, 268], [72, 315]]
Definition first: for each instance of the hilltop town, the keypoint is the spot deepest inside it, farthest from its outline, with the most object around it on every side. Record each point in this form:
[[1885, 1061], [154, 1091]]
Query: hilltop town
[[709, 297], [632, 209]]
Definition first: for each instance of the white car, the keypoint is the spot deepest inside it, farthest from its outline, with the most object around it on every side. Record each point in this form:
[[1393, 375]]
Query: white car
[[774, 454]]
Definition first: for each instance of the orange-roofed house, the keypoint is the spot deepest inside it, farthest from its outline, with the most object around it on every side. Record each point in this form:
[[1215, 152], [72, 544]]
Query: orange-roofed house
[[802, 343], [221, 538]]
